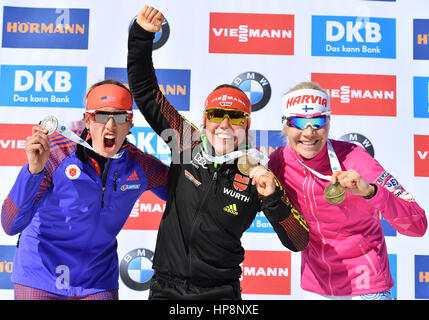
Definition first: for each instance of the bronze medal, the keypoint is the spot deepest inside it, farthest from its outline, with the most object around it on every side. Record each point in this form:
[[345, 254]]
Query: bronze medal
[[50, 123], [334, 193], [245, 164]]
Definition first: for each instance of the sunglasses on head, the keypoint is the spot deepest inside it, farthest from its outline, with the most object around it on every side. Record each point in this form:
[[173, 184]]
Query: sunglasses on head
[[103, 117], [302, 123], [236, 117]]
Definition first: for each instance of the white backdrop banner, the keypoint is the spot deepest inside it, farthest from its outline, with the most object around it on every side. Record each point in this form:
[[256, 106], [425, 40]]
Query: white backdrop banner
[[372, 56]]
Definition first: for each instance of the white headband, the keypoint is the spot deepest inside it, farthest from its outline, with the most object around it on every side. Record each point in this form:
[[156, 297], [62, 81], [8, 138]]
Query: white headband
[[307, 103]]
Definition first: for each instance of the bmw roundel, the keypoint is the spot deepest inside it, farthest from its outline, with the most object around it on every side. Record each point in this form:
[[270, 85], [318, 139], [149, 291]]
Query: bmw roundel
[[136, 270], [161, 36], [256, 87], [359, 140]]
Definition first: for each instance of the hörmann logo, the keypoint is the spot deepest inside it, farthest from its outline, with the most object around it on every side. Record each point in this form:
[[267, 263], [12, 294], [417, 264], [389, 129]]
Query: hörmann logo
[[353, 37], [54, 28], [421, 39], [251, 33], [359, 94], [175, 84], [421, 274], [6, 266]]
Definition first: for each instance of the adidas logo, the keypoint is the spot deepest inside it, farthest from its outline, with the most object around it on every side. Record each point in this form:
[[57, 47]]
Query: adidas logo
[[231, 209], [133, 177]]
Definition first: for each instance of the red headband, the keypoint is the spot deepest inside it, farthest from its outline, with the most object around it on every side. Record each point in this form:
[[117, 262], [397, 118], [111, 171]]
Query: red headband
[[109, 95], [228, 98]]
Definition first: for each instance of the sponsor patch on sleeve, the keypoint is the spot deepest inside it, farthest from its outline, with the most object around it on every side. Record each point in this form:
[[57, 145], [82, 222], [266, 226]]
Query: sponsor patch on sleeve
[[390, 183]]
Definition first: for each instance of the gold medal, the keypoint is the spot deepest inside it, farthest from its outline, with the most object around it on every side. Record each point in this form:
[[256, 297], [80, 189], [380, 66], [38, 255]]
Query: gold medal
[[245, 164], [334, 193]]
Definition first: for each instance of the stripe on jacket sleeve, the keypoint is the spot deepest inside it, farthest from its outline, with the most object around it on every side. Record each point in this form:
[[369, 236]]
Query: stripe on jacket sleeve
[[9, 212], [155, 170]]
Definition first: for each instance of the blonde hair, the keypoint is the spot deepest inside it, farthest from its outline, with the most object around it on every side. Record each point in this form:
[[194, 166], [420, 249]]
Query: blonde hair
[[307, 85]]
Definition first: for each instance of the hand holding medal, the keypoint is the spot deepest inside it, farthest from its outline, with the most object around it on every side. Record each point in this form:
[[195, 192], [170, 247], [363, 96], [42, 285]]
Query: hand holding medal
[[334, 192], [246, 164], [37, 145], [50, 123], [353, 182]]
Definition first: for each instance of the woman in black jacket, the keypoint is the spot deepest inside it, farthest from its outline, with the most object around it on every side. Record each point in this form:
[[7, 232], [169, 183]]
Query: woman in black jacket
[[210, 201]]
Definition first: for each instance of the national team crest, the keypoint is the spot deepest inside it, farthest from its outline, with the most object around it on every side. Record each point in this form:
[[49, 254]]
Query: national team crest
[[73, 172], [240, 182]]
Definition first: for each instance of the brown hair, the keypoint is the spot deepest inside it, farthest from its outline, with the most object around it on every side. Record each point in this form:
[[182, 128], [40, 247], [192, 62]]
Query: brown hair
[[108, 81]]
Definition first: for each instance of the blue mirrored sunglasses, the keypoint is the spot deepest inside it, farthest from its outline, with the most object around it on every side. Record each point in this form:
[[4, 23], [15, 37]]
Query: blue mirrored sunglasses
[[302, 123]]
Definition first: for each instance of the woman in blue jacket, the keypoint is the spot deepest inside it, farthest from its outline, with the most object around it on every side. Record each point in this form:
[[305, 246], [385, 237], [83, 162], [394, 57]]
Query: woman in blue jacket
[[70, 201]]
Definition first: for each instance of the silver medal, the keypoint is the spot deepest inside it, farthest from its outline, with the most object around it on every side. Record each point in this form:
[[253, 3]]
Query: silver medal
[[50, 123]]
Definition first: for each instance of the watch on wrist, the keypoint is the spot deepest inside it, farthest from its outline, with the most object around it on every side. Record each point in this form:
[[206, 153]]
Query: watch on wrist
[[373, 194]]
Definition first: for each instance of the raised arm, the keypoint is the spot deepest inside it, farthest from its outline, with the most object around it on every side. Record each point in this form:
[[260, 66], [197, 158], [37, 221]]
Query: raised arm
[[17, 210], [159, 113]]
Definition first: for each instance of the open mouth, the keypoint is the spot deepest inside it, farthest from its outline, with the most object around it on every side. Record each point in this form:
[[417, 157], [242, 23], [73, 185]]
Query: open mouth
[[308, 143], [109, 142], [224, 135]]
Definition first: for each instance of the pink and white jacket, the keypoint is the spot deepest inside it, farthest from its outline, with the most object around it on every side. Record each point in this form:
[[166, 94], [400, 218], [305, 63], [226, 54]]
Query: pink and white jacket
[[346, 254]]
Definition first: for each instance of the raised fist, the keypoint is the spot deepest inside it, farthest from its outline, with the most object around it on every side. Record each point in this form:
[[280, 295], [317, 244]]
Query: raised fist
[[150, 19]]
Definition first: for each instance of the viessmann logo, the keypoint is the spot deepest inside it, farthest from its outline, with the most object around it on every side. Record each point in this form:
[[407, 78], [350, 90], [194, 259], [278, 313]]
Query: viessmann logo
[[421, 156], [359, 94], [55, 28], [251, 33], [12, 143], [146, 213], [266, 272]]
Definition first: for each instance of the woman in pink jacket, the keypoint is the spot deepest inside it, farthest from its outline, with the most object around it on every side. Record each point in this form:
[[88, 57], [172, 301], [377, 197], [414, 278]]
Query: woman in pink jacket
[[346, 257]]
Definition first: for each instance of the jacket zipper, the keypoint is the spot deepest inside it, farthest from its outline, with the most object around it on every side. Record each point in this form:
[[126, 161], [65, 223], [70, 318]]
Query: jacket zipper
[[114, 183], [197, 215], [103, 181], [312, 207], [103, 188]]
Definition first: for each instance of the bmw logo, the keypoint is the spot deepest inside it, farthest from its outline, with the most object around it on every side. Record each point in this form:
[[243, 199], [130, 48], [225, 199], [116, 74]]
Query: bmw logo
[[360, 140], [256, 87], [135, 269], [161, 36]]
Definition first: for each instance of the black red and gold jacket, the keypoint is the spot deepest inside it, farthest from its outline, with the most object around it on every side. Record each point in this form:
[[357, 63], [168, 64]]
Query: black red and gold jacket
[[209, 206]]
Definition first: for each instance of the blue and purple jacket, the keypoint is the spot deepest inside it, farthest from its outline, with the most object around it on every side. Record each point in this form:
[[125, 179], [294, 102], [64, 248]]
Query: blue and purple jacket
[[70, 214]]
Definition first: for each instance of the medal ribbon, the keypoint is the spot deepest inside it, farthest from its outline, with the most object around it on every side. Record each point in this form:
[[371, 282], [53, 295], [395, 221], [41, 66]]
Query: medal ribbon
[[66, 132], [333, 160], [254, 153], [69, 134]]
